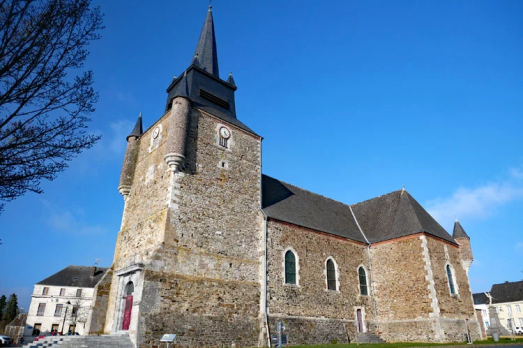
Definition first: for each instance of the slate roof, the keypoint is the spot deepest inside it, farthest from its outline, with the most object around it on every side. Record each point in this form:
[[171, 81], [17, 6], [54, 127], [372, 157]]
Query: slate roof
[[459, 232], [390, 216], [138, 128], [480, 298], [507, 292], [66, 277], [288, 203], [394, 215]]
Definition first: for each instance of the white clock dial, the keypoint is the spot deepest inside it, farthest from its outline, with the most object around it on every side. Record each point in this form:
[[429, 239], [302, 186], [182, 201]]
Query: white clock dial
[[156, 132], [225, 133]]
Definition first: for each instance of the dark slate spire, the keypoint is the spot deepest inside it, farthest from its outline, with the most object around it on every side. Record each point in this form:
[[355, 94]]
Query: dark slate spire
[[206, 49], [230, 79], [459, 232], [138, 129]]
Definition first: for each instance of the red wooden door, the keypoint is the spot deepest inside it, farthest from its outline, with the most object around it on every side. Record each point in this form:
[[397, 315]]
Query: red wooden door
[[360, 321], [127, 312]]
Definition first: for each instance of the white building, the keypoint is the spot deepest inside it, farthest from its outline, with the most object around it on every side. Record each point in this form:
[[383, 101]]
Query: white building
[[481, 302], [62, 301], [507, 298]]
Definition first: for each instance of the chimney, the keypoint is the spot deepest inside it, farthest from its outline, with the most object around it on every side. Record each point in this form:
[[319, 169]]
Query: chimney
[[93, 271]]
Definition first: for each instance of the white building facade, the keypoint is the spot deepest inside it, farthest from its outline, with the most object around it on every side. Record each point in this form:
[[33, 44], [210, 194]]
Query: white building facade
[[507, 299], [62, 302]]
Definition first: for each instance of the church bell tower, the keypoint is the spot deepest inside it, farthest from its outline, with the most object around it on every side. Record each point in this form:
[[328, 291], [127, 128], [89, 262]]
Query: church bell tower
[[188, 254]]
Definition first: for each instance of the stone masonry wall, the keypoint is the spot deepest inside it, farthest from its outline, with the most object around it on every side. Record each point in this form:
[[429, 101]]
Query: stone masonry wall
[[457, 308], [203, 282], [401, 290], [302, 305], [97, 315], [399, 280]]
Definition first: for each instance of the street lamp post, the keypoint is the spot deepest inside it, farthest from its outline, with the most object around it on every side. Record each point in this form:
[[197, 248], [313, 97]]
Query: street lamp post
[[65, 315]]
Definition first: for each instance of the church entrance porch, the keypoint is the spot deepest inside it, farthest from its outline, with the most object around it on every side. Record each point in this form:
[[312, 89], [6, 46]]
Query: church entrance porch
[[129, 293]]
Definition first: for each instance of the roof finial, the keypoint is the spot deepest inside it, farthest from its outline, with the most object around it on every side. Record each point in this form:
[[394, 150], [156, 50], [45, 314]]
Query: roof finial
[[210, 5], [455, 218]]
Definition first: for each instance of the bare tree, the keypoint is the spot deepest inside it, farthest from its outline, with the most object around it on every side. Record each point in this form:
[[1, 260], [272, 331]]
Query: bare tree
[[44, 111]]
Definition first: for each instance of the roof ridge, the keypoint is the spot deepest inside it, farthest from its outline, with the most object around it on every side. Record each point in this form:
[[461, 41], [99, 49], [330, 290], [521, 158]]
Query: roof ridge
[[314, 193], [383, 195]]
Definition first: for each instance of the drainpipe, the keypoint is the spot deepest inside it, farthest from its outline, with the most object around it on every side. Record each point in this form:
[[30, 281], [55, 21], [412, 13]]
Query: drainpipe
[[369, 244], [263, 300]]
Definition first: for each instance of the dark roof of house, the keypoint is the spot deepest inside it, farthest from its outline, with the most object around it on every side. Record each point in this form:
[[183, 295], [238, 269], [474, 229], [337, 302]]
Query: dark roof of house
[[66, 277], [390, 216], [206, 53], [480, 298], [459, 232], [288, 203], [507, 292], [394, 215]]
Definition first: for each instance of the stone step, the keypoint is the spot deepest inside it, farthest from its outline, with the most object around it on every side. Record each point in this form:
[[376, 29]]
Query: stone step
[[368, 337], [109, 341]]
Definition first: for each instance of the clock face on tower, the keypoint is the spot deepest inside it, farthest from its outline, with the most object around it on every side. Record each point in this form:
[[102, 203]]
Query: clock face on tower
[[156, 132], [225, 133]]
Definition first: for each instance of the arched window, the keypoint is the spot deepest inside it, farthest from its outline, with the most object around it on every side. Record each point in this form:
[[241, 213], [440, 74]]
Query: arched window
[[290, 267], [331, 275], [363, 281], [129, 288], [451, 280]]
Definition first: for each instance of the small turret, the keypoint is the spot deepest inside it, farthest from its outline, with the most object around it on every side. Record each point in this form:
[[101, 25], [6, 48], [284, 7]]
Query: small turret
[[129, 162], [463, 240]]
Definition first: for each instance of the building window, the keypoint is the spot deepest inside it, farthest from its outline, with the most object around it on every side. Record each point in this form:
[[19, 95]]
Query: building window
[[290, 268], [75, 311], [331, 275], [451, 280], [518, 309], [41, 310], [45, 291], [62, 292], [58, 310], [509, 309], [363, 281], [520, 321], [79, 293]]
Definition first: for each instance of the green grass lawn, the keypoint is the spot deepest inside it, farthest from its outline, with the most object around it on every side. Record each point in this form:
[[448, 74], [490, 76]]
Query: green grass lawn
[[411, 344]]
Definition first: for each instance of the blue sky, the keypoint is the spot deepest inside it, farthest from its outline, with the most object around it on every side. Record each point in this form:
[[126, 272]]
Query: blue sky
[[353, 99]]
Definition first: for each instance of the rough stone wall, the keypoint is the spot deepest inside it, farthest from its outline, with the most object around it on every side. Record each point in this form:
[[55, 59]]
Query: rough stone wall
[[400, 284], [202, 282], [465, 249], [315, 330], [459, 306], [97, 315], [309, 300], [144, 216], [402, 293]]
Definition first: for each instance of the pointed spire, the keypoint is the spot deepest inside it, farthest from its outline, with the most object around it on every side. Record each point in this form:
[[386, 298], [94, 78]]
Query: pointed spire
[[459, 232], [206, 49], [230, 79], [138, 129]]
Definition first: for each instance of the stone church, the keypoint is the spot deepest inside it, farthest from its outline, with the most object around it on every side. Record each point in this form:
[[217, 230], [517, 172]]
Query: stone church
[[212, 250]]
